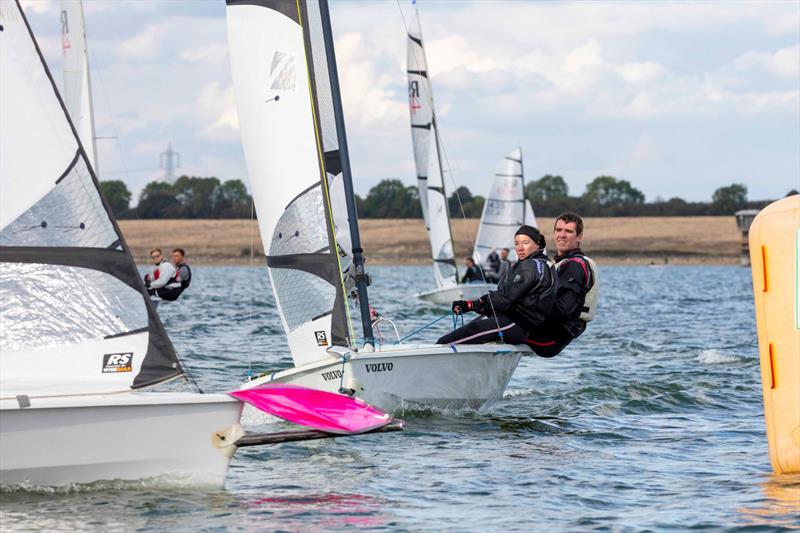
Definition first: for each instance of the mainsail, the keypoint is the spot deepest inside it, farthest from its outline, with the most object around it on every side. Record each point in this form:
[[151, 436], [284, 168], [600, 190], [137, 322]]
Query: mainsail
[[77, 84], [283, 94], [74, 314], [427, 158], [505, 210]]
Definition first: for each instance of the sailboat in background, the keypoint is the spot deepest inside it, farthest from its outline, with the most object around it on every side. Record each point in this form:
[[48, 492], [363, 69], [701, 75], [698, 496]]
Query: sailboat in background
[[80, 341], [430, 178], [77, 81], [505, 210], [290, 113]]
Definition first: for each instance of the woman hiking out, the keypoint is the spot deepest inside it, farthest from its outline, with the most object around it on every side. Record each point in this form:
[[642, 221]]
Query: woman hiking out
[[521, 302]]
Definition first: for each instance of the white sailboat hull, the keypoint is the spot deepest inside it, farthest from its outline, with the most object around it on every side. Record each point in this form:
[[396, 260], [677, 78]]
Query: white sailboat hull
[[58, 441], [446, 295], [448, 377]]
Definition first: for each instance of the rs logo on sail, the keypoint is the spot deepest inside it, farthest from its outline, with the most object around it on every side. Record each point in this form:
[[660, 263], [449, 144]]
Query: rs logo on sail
[[117, 362], [379, 367]]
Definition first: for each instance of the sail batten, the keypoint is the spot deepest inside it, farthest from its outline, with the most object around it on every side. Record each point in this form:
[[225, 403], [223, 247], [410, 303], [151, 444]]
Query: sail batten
[[74, 314]]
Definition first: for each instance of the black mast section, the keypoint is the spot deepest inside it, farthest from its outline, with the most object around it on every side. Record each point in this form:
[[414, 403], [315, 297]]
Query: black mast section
[[352, 215]]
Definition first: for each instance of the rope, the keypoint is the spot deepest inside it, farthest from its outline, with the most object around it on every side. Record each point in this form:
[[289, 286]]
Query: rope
[[426, 326]]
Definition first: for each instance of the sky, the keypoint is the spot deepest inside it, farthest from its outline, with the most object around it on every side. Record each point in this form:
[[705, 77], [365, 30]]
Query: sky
[[679, 98]]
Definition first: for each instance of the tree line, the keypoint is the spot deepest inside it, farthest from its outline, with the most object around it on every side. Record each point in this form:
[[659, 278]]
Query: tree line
[[197, 197], [187, 197]]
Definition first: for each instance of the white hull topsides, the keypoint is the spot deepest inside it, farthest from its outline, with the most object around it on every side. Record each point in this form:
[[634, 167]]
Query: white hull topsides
[[136, 435], [445, 376], [447, 295]]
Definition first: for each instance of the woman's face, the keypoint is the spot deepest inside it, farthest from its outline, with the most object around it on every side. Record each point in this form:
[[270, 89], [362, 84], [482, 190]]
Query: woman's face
[[524, 246]]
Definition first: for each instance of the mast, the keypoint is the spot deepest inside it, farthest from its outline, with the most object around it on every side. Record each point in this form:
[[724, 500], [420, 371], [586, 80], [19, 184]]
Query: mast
[[361, 278]]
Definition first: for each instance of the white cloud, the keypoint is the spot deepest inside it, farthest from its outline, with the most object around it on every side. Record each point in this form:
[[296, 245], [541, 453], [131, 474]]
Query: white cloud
[[37, 6], [644, 72], [218, 105], [784, 63], [214, 54], [143, 46]]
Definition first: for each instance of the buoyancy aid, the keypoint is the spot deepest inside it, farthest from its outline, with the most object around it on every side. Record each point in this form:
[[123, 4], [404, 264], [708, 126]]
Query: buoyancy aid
[[528, 305], [589, 308], [176, 284]]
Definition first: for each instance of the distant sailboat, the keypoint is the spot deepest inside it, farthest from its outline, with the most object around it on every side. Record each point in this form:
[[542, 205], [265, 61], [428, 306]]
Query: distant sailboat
[[430, 178], [292, 126], [505, 210], [80, 341], [77, 81]]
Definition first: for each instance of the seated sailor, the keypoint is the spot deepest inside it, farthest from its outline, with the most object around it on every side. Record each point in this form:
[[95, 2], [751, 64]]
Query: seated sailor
[[161, 274], [576, 296], [180, 280], [504, 265], [520, 303], [473, 273]]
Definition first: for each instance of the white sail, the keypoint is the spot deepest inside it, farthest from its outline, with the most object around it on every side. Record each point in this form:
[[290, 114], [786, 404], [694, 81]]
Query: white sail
[[74, 316], [420, 106], [505, 210], [281, 82], [427, 158], [530, 217], [444, 264], [77, 84]]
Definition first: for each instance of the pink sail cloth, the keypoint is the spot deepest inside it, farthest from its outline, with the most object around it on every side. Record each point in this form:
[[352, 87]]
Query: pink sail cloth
[[325, 411]]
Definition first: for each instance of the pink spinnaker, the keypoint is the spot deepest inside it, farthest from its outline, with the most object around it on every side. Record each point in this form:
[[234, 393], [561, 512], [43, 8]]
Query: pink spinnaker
[[326, 411]]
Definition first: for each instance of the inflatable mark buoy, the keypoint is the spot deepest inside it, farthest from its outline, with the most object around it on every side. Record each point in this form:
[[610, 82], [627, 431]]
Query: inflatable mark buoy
[[775, 261]]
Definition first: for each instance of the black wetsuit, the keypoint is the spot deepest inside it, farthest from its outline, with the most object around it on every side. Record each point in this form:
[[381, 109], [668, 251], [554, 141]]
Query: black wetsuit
[[521, 302], [564, 323], [472, 275]]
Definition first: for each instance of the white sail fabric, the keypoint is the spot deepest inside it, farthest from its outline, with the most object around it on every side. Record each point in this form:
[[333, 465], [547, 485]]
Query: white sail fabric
[[420, 105], [505, 210], [444, 263], [289, 136], [77, 84], [74, 317]]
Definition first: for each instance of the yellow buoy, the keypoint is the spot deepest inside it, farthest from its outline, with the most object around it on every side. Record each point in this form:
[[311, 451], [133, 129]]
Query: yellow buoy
[[775, 261]]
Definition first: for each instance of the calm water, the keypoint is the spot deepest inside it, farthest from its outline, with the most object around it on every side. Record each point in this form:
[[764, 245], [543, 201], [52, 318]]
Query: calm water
[[651, 420]]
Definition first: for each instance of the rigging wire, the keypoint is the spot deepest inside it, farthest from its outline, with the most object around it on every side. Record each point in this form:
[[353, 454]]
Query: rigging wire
[[452, 177]]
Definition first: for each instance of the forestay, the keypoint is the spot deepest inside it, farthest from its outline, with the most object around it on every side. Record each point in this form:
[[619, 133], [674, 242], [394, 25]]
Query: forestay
[[77, 84], [505, 210], [74, 314], [287, 122], [427, 158]]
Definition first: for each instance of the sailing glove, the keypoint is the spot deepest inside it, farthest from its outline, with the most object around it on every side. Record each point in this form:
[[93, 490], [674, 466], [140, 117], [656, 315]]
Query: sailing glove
[[461, 306]]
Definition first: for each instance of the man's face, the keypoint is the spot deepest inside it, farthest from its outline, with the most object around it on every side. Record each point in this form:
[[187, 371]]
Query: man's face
[[524, 246], [177, 258], [155, 257], [566, 236], [504, 254]]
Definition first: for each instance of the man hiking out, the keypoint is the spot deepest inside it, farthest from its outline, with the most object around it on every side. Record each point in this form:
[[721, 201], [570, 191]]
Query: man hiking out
[[576, 296]]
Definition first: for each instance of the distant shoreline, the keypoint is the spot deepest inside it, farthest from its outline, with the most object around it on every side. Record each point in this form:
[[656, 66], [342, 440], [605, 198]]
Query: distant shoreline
[[611, 241]]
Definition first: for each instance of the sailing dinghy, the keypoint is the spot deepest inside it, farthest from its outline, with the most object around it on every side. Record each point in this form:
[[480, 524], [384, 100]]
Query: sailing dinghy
[[430, 178], [80, 341], [290, 113], [505, 210]]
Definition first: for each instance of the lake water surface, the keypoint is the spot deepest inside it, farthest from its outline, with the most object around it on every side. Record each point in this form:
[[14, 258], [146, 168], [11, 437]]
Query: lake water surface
[[652, 420]]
